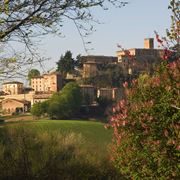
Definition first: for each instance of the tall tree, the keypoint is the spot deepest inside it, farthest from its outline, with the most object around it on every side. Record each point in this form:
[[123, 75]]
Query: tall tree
[[66, 63], [146, 123]]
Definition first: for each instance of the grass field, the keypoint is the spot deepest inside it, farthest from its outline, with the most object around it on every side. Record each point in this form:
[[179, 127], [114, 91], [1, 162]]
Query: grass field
[[62, 149], [95, 136]]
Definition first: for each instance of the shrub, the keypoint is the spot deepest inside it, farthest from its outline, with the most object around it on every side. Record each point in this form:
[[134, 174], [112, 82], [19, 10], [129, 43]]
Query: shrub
[[26, 154], [40, 109], [146, 126]]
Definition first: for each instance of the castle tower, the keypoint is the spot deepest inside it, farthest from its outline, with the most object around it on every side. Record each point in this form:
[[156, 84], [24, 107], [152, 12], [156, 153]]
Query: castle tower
[[149, 43]]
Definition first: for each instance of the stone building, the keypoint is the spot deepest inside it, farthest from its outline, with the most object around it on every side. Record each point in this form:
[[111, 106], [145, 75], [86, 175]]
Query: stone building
[[10, 106], [140, 59], [88, 94], [12, 88], [37, 83], [41, 97], [90, 64], [99, 59], [89, 69], [108, 93], [51, 82]]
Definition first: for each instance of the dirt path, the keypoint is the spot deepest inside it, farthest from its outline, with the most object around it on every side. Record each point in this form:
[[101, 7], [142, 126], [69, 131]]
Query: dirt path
[[23, 118]]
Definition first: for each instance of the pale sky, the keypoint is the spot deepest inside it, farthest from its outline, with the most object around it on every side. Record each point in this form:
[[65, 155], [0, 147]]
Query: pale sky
[[127, 26]]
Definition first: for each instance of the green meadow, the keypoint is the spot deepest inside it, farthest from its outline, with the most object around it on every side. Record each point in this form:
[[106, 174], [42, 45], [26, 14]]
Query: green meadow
[[56, 149], [93, 133]]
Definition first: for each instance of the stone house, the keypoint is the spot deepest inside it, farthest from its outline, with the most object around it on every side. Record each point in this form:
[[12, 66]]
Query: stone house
[[140, 59], [10, 106], [109, 93], [51, 82], [88, 94], [12, 88], [90, 64]]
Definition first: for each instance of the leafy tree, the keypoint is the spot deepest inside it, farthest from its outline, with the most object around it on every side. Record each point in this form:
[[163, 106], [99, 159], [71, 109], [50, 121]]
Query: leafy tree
[[36, 110], [66, 63], [146, 126], [40, 109], [78, 62], [22, 21], [146, 123], [33, 73], [65, 103]]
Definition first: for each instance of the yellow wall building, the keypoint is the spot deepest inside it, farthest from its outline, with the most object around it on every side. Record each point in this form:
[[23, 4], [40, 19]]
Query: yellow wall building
[[47, 83], [12, 88]]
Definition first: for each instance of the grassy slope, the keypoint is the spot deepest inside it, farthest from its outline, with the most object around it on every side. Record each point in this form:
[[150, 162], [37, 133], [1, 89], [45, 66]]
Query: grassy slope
[[95, 135]]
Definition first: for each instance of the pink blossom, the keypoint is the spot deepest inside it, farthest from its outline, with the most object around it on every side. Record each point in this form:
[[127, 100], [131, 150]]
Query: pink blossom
[[125, 84]]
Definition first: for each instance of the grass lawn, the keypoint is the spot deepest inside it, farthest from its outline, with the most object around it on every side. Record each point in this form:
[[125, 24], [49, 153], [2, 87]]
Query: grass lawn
[[95, 136]]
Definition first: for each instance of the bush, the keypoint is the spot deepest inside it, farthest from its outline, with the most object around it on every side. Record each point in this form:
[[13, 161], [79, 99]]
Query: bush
[[25, 154], [146, 126], [40, 109], [66, 103]]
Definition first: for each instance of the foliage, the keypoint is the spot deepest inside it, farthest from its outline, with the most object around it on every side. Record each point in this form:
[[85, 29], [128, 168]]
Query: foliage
[[104, 105], [65, 103], [173, 34], [49, 155], [88, 130], [109, 75], [146, 126], [40, 109], [21, 21], [66, 64], [78, 62], [33, 73]]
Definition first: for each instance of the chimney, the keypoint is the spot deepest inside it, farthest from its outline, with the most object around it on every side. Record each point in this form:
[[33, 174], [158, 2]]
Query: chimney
[[149, 43]]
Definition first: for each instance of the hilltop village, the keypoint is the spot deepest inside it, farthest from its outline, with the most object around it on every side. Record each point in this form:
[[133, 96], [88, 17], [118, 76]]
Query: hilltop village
[[128, 64]]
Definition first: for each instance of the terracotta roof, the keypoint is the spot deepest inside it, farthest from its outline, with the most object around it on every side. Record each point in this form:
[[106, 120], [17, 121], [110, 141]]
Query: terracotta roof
[[21, 101], [13, 82]]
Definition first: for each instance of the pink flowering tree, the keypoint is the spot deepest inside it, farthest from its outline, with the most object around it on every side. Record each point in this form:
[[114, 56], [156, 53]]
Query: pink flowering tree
[[147, 123]]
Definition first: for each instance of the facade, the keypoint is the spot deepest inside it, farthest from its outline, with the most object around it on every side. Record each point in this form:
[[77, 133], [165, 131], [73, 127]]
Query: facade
[[90, 64], [90, 69], [47, 83], [10, 106], [41, 97], [37, 83], [12, 88], [99, 59], [107, 93], [144, 58]]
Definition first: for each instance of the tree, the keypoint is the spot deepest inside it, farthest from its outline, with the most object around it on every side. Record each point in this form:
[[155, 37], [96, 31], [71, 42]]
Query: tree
[[146, 126], [33, 73], [146, 123], [22, 21], [78, 62], [66, 64], [40, 109], [65, 103]]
